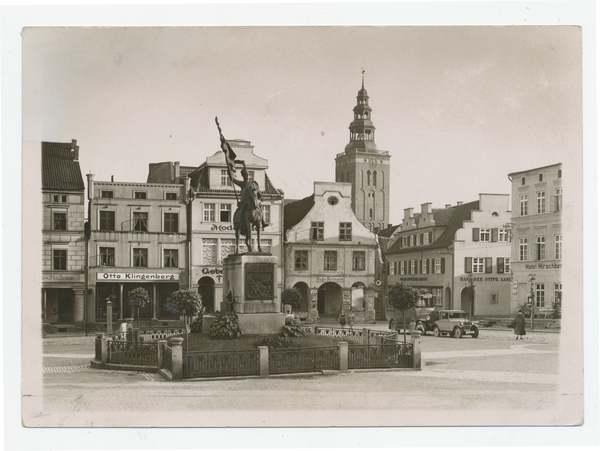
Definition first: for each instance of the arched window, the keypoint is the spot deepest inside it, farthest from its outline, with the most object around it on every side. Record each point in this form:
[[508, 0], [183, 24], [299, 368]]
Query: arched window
[[371, 215], [362, 178], [368, 178], [374, 178]]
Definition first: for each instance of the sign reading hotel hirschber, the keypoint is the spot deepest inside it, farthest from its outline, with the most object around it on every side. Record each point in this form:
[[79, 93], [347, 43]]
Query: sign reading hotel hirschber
[[135, 276], [259, 281]]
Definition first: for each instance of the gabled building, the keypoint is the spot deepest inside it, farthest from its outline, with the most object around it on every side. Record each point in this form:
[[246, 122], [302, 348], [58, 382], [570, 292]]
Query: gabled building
[[63, 249], [329, 254], [537, 236], [443, 251]]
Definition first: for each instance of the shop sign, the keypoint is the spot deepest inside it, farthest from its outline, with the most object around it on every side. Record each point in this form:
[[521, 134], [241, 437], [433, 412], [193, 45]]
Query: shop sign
[[61, 278], [330, 279], [487, 279], [135, 276], [222, 228], [412, 279], [330, 272], [217, 272], [543, 265]]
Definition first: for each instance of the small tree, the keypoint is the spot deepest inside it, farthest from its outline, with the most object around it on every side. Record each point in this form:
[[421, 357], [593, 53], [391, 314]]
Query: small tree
[[403, 298], [291, 296], [187, 303], [137, 298]]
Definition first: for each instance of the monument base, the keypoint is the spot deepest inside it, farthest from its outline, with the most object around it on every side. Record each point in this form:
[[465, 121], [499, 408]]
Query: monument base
[[261, 323]]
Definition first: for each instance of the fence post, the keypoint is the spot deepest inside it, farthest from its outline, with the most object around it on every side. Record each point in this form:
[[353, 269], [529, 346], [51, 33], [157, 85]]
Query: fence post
[[104, 349], [416, 344], [365, 336], [109, 325], [263, 360], [177, 364], [396, 336], [161, 350], [129, 329], [343, 355]]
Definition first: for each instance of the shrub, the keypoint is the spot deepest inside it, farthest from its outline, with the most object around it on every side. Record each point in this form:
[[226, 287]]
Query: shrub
[[557, 307], [291, 296], [293, 328], [277, 342], [225, 325], [187, 303]]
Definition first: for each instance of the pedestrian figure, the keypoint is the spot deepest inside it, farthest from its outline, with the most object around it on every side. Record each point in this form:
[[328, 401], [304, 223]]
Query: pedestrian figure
[[342, 319], [122, 331], [413, 325], [520, 325], [351, 320]]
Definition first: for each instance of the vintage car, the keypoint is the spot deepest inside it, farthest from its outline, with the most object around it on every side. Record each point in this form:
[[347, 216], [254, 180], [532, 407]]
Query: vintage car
[[455, 322], [424, 316]]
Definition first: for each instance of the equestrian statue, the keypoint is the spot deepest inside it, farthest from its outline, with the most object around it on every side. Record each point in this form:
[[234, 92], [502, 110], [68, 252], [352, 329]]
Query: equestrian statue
[[248, 214]]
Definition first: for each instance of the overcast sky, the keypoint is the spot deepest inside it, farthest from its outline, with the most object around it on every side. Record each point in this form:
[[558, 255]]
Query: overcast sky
[[458, 108]]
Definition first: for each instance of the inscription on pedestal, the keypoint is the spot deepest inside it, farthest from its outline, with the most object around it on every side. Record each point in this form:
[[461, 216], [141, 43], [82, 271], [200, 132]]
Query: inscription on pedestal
[[259, 281]]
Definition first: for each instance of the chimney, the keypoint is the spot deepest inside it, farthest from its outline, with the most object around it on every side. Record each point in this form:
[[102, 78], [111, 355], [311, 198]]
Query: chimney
[[459, 202], [447, 206], [112, 178], [408, 212], [176, 167], [425, 209], [74, 150], [90, 178], [186, 187]]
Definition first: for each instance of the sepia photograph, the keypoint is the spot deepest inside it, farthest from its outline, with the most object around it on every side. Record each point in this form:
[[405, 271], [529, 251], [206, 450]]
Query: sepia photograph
[[310, 226]]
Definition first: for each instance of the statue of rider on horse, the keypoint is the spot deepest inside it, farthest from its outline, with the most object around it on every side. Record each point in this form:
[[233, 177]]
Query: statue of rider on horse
[[248, 214]]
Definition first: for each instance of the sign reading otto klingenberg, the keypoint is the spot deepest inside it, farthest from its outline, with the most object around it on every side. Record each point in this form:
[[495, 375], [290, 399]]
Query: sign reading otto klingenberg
[[125, 276], [260, 279]]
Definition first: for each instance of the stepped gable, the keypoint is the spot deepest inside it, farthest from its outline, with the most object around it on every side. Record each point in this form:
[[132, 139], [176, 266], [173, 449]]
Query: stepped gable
[[60, 166], [296, 211]]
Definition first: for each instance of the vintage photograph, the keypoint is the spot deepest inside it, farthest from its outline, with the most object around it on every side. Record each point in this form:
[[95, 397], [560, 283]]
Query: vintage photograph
[[302, 226]]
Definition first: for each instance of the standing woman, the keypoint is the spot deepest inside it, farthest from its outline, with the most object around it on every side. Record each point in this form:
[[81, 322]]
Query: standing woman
[[520, 325], [342, 319]]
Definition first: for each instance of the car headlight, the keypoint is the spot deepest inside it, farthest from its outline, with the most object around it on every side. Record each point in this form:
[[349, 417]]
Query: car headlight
[[427, 318], [462, 324]]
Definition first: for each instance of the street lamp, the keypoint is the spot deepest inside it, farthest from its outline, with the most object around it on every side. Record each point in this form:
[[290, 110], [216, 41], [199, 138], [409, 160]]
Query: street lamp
[[471, 286], [532, 297]]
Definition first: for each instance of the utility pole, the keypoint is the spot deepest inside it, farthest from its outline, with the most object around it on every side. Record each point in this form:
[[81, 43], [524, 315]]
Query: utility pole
[[471, 286], [532, 297]]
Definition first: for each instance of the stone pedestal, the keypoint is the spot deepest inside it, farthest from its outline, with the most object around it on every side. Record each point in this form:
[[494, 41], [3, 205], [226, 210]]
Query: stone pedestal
[[250, 290]]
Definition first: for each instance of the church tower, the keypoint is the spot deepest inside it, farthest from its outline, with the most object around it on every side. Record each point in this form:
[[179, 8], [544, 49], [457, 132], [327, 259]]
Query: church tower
[[366, 167]]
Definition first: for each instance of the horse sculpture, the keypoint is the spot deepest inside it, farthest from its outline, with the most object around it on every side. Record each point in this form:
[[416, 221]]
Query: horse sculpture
[[248, 216]]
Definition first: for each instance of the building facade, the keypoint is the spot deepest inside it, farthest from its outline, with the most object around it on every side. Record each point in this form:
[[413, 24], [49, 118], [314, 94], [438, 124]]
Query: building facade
[[63, 248], [537, 236], [213, 203], [366, 168], [330, 255], [458, 256], [138, 238]]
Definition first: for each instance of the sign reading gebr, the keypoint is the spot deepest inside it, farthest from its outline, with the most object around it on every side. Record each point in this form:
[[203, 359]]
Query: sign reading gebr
[[260, 281], [135, 276]]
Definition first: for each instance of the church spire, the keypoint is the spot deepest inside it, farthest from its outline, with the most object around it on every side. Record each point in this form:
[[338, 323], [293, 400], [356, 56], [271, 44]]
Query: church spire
[[363, 79], [362, 130]]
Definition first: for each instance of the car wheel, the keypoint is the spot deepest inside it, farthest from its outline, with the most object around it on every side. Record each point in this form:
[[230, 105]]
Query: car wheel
[[392, 324], [457, 332], [436, 331], [475, 333]]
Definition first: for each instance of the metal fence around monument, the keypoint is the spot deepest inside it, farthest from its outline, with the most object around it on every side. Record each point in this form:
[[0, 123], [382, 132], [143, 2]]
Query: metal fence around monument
[[220, 363], [132, 353], [303, 360], [393, 355], [168, 358]]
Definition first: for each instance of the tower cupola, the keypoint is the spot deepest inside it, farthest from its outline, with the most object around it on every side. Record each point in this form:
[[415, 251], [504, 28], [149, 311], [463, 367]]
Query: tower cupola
[[362, 130]]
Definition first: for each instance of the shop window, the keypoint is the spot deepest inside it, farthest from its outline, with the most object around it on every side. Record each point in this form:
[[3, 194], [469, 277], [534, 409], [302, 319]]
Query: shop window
[[345, 231], [358, 260], [107, 256], [59, 259], [107, 221], [539, 295], [171, 222], [107, 194], [140, 195], [330, 260], [316, 231], [140, 258], [59, 221], [170, 258], [140, 222], [301, 260], [171, 196]]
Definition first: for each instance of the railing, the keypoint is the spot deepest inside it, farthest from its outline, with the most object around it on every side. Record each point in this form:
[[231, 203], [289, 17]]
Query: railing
[[354, 335], [380, 356], [220, 363], [132, 353], [303, 360], [384, 335], [160, 334], [168, 358]]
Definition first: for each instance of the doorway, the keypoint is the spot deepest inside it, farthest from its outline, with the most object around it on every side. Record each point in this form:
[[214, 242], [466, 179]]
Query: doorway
[[206, 289], [329, 299]]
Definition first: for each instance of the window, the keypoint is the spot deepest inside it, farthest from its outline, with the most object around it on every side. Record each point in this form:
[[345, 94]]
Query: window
[[374, 178], [522, 180], [170, 258], [402, 267], [107, 220], [368, 178], [140, 222], [424, 266], [171, 196], [419, 239], [557, 247], [478, 265], [332, 200], [209, 212], [330, 261], [140, 258], [437, 296], [358, 260], [301, 260], [412, 240], [225, 213], [539, 295], [494, 298], [370, 213], [485, 234], [316, 231], [266, 209], [558, 199], [557, 292], [540, 242], [59, 259], [107, 256], [59, 221], [522, 249], [541, 202], [413, 266], [507, 266], [225, 180], [60, 198], [250, 176], [392, 268], [523, 204], [140, 195], [541, 177], [503, 265], [426, 238], [171, 222], [107, 194], [403, 241], [437, 269], [559, 173], [503, 235], [345, 231]]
